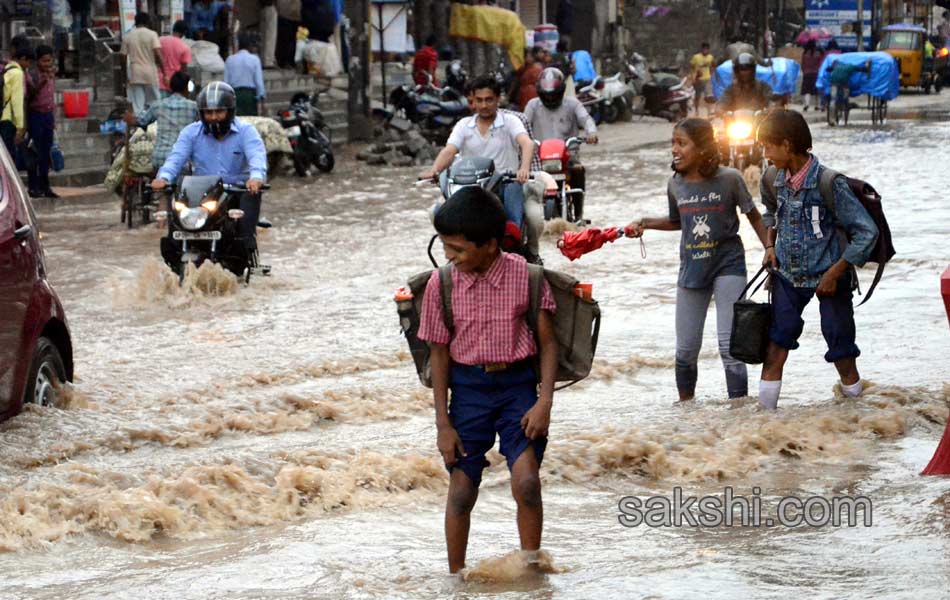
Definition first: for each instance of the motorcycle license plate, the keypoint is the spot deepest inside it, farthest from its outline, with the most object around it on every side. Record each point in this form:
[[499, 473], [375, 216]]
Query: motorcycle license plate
[[196, 235], [558, 176], [294, 131]]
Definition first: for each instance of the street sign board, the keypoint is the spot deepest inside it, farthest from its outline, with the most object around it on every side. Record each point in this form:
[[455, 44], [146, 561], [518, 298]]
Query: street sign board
[[839, 18]]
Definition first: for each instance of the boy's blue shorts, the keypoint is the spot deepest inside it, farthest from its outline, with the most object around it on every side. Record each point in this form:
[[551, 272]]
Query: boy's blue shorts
[[483, 404], [837, 317]]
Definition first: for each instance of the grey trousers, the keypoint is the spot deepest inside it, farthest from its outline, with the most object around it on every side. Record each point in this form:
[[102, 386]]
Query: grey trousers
[[142, 95], [691, 308]]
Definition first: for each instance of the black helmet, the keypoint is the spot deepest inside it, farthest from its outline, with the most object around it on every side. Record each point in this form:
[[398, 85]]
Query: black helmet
[[216, 95], [551, 87], [744, 61]]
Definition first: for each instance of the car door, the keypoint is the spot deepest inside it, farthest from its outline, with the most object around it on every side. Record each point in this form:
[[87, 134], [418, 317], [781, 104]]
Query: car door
[[17, 274]]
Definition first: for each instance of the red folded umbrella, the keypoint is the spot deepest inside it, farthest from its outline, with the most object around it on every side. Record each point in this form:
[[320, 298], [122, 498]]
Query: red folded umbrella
[[576, 244]]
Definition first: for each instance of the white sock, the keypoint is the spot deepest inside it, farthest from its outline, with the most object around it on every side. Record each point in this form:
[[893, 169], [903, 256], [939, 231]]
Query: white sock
[[853, 390], [807, 99], [769, 392]]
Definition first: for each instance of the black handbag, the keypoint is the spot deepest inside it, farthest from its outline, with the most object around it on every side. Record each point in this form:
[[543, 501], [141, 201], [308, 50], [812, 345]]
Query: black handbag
[[749, 340]]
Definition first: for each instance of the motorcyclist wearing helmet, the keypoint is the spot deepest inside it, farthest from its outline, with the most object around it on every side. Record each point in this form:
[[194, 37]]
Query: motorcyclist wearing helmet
[[746, 92], [220, 144], [552, 116]]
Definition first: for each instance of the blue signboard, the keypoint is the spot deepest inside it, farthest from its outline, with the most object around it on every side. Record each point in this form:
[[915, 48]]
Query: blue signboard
[[839, 18]]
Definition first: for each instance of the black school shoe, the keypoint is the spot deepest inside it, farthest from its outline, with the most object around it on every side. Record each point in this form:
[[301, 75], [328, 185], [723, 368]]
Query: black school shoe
[[37, 194], [50, 194]]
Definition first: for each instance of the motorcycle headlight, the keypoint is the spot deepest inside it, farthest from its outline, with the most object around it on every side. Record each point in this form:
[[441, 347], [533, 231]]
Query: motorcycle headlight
[[739, 130], [193, 218], [552, 165], [210, 205]]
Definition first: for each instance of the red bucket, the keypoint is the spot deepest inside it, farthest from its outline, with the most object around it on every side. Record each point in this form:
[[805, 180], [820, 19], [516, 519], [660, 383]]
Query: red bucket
[[76, 104]]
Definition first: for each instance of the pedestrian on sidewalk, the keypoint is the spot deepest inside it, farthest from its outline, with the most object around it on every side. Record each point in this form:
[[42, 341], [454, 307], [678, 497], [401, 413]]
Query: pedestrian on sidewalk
[[701, 67], [176, 55], [288, 20], [144, 50], [269, 33], [812, 57], [703, 200], [244, 73], [807, 255], [425, 63], [40, 105], [487, 361], [211, 16], [13, 117]]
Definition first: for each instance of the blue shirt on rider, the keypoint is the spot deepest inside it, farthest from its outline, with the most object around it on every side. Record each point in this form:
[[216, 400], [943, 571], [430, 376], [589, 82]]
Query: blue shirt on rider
[[239, 156], [583, 66], [808, 243]]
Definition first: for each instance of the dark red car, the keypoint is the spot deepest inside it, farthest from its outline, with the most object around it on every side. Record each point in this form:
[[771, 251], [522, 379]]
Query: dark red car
[[36, 351]]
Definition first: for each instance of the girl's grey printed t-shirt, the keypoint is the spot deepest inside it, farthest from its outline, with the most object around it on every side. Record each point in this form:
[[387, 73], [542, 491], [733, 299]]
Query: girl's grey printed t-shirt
[[706, 210]]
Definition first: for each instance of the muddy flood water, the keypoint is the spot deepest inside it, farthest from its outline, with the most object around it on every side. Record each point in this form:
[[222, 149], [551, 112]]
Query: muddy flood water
[[272, 441]]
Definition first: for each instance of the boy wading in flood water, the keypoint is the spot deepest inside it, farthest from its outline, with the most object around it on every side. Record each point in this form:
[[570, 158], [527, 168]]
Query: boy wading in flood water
[[486, 356], [808, 254], [703, 198]]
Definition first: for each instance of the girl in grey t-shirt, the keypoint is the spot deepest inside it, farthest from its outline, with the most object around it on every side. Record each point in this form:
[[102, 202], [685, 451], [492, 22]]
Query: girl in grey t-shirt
[[703, 198]]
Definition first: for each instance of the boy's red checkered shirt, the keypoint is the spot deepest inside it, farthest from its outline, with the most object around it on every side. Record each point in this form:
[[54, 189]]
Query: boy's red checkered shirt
[[489, 311]]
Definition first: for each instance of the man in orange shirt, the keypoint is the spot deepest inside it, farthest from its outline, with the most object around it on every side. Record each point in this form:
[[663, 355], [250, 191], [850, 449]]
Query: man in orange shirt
[[425, 63]]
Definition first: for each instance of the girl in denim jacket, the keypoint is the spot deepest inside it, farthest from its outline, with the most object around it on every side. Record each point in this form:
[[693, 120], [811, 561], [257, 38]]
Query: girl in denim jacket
[[812, 251]]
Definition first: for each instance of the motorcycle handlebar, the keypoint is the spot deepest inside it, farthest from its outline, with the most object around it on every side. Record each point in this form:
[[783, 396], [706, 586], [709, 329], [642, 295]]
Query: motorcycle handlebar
[[240, 189]]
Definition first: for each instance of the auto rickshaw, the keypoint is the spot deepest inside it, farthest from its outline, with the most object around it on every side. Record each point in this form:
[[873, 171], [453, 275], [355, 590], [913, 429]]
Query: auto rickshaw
[[907, 44]]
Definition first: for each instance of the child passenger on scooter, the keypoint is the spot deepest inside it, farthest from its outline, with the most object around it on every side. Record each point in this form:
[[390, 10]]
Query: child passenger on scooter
[[703, 198]]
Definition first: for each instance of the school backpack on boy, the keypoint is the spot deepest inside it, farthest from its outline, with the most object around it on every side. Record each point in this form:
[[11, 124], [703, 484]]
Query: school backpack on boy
[[883, 249], [576, 321]]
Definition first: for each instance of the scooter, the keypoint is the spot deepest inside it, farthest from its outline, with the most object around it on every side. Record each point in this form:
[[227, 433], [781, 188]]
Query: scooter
[[309, 135], [663, 95], [204, 225], [616, 98], [560, 198], [592, 97]]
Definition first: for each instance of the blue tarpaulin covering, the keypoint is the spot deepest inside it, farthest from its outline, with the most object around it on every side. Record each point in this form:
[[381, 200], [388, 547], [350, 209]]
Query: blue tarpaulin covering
[[782, 76], [884, 80]]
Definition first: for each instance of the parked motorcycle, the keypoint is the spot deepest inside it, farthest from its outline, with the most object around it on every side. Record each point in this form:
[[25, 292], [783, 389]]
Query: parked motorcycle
[[738, 148], [204, 225], [658, 92], [436, 110], [562, 200], [309, 135]]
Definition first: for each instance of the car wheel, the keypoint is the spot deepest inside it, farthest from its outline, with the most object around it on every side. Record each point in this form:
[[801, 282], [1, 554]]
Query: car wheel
[[46, 375]]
